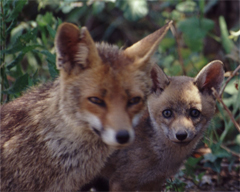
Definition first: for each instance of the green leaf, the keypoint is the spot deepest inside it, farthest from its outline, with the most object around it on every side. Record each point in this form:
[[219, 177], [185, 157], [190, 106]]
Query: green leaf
[[59, 21], [166, 43], [98, 7], [17, 8], [21, 41], [21, 47], [44, 20], [51, 63], [33, 80], [17, 60], [51, 31], [49, 56], [52, 70], [19, 85], [215, 166], [226, 42], [17, 32], [194, 30], [210, 157], [12, 25], [193, 161]]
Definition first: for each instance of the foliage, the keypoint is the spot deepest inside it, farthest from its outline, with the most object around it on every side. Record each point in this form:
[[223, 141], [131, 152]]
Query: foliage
[[27, 52], [20, 42]]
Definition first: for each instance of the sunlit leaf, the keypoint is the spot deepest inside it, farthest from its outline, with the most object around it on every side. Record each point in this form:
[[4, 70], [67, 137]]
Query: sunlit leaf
[[44, 20], [133, 10], [186, 6]]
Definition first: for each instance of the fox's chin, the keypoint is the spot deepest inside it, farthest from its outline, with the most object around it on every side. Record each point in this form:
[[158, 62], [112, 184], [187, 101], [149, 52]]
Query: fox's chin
[[181, 143]]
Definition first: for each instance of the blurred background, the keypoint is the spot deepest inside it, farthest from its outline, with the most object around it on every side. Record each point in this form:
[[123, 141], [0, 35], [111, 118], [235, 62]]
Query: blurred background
[[203, 30]]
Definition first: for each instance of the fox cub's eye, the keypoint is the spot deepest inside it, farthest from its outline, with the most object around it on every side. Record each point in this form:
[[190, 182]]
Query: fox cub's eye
[[194, 113], [167, 113], [97, 101], [134, 101]]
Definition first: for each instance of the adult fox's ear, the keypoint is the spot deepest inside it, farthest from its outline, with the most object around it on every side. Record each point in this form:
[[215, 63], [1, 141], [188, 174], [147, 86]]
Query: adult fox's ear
[[142, 51], [211, 76], [159, 79], [75, 48]]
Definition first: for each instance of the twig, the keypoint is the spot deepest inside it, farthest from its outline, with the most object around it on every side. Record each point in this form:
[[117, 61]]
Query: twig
[[226, 148], [226, 109], [229, 78], [176, 35]]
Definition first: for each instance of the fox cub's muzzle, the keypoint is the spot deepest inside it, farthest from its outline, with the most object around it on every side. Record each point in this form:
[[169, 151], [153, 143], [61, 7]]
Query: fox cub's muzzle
[[181, 135]]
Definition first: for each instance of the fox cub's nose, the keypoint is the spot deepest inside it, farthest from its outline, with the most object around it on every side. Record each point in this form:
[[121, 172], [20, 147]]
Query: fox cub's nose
[[122, 136], [181, 135]]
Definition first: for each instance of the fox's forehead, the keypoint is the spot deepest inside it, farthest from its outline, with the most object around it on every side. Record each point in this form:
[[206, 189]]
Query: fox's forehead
[[108, 82], [112, 55], [182, 93]]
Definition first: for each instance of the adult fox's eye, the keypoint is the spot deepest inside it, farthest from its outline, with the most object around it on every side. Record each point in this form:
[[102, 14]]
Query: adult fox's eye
[[167, 113], [195, 113], [134, 101], [97, 101]]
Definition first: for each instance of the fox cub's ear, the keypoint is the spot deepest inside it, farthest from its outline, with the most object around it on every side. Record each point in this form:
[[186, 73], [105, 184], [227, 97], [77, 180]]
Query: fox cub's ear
[[159, 79], [75, 48], [211, 75], [142, 51]]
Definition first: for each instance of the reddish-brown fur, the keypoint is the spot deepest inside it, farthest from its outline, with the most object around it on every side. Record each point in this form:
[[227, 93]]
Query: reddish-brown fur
[[57, 137]]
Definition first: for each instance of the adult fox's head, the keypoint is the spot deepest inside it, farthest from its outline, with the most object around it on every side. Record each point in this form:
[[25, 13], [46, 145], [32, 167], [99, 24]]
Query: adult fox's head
[[182, 107], [104, 87]]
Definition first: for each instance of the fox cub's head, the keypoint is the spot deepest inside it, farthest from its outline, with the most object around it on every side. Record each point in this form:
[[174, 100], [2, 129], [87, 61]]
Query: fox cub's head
[[181, 107], [104, 87]]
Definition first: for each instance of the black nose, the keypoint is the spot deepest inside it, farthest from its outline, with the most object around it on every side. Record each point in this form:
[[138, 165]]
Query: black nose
[[122, 136], [181, 135]]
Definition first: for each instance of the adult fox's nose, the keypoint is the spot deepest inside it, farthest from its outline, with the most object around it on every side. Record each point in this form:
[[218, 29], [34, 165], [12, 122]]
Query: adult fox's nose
[[122, 136]]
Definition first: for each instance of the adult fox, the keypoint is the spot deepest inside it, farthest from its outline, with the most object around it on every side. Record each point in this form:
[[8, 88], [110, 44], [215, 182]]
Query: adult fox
[[57, 136], [179, 110]]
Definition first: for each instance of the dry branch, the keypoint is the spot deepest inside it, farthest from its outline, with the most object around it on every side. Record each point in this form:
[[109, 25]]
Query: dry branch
[[226, 109], [229, 78], [177, 37]]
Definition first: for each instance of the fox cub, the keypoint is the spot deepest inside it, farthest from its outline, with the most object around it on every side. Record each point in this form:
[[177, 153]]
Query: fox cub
[[179, 110], [57, 137]]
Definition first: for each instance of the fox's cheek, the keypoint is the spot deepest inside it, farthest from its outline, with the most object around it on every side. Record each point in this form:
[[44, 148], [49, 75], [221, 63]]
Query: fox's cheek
[[136, 119], [94, 121]]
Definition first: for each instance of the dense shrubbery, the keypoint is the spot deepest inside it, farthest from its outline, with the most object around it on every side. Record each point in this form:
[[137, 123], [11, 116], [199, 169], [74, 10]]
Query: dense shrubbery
[[200, 34]]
